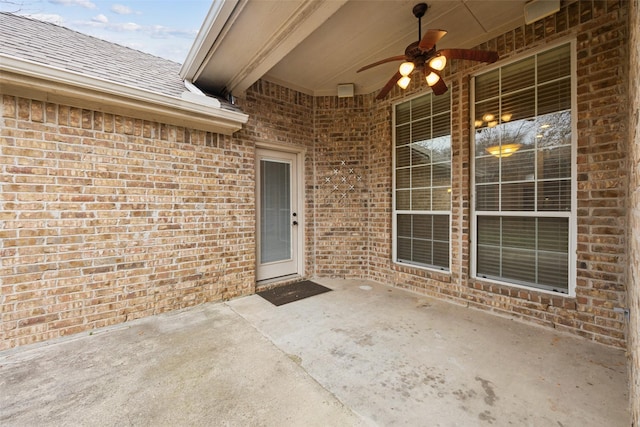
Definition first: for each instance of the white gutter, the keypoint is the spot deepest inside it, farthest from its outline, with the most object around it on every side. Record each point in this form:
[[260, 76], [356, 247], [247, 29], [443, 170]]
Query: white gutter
[[210, 30], [27, 78]]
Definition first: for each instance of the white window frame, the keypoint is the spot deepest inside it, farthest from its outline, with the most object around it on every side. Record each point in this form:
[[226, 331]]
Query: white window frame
[[395, 212], [572, 215]]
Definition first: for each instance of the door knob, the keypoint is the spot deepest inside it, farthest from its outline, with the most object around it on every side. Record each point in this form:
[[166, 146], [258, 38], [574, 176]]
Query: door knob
[[295, 222]]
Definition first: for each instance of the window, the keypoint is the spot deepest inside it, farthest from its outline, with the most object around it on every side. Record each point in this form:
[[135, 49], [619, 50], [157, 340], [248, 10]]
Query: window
[[422, 176], [523, 171]]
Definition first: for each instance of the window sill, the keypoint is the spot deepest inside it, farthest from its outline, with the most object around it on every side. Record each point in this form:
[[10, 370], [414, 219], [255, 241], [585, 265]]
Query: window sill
[[513, 290]]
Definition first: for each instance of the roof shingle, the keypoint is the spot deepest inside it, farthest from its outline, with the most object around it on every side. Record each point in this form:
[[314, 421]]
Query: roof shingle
[[60, 47]]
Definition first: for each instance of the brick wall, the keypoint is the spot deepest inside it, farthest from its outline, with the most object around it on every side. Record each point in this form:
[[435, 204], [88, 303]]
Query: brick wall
[[600, 29], [105, 218], [633, 278], [341, 186]]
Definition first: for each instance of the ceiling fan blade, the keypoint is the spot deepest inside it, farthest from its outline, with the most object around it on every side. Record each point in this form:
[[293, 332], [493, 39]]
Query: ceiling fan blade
[[430, 38], [383, 61], [440, 87], [472, 55], [387, 88]]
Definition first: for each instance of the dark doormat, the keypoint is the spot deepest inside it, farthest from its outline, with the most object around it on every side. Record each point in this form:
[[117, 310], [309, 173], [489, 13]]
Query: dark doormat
[[289, 293]]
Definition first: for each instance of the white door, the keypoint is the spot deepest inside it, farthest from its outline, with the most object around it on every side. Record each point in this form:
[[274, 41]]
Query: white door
[[279, 217]]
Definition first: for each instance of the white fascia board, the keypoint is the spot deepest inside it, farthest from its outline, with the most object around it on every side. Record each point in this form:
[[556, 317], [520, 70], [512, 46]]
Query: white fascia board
[[213, 25], [190, 111]]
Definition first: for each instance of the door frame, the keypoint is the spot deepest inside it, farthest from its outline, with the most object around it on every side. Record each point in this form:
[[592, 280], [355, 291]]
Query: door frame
[[298, 232]]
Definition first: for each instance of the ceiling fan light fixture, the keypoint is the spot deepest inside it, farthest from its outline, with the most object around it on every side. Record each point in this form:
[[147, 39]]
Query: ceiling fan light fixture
[[406, 68], [438, 62], [404, 82], [432, 78]]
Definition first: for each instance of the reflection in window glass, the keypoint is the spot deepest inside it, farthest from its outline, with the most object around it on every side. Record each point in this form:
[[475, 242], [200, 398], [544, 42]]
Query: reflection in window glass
[[423, 181], [523, 171]]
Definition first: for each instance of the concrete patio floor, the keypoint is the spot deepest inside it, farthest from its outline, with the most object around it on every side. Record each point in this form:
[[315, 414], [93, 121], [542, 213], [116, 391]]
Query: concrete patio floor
[[363, 354]]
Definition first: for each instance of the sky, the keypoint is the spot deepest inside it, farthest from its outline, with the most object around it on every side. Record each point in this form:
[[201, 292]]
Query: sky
[[165, 28]]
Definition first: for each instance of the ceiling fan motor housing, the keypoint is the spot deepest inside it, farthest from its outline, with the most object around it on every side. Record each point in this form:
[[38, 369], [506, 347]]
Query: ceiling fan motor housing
[[419, 10]]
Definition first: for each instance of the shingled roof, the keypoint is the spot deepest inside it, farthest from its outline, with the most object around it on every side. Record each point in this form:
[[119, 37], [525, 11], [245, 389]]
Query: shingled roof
[[62, 48]]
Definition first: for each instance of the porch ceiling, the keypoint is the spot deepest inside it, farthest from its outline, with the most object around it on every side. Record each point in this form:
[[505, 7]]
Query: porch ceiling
[[314, 46]]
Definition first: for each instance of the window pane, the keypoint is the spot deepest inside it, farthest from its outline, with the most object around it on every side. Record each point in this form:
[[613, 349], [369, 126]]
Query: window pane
[[403, 178], [519, 232], [404, 249], [487, 169], [421, 130], [403, 134], [488, 261], [553, 270], [489, 230], [441, 174], [553, 234], [441, 125], [441, 103], [554, 195], [519, 265], [518, 197], [554, 96], [420, 154], [487, 85], [441, 199], [441, 227], [403, 200], [403, 112], [518, 75], [522, 132], [519, 166], [553, 130], [403, 156], [554, 64], [520, 105], [422, 252], [404, 225], [487, 198], [422, 226], [420, 107], [441, 254], [421, 176], [487, 114], [441, 149], [421, 199], [554, 163]]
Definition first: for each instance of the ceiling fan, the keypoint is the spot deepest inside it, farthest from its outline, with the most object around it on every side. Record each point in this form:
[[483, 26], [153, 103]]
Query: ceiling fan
[[422, 56]]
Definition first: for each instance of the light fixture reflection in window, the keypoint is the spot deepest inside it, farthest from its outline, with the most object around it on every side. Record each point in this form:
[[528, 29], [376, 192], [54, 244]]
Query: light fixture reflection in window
[[488, 117], [505, 150]]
